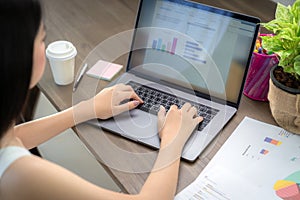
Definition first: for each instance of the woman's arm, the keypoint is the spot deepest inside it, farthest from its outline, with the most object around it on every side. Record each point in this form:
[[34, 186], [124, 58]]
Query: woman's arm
[[104, 105], [33, 178], [174, 128], [38, 131]]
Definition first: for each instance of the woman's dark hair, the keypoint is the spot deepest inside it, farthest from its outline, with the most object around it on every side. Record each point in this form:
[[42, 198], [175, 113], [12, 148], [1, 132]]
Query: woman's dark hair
[[19, 24]]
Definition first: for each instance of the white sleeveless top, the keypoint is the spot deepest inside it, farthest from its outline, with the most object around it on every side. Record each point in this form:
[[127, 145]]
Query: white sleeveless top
[[10, 154]]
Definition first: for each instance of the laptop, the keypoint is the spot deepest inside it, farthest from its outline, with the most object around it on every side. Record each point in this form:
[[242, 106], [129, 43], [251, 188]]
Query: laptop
[[183, 51]]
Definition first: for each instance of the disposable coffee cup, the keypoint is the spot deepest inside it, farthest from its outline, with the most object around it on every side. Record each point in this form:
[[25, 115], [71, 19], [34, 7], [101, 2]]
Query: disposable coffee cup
[[61, 55]]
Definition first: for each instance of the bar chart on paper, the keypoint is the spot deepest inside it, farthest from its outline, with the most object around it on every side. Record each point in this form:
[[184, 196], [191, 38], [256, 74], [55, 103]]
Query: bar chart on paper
[[258, 161]]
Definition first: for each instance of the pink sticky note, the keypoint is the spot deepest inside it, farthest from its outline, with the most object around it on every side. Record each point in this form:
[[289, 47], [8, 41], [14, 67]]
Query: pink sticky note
[[104, 70]]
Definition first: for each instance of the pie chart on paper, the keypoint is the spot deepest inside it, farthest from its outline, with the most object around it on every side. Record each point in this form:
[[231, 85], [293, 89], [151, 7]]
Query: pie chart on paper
[[289, 188]]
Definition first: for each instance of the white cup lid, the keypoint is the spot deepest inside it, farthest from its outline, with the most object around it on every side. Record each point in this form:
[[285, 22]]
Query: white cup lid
[[61, 50]]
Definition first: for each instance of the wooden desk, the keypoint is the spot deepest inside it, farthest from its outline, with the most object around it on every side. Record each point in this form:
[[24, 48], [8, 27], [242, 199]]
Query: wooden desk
[[86, 24]]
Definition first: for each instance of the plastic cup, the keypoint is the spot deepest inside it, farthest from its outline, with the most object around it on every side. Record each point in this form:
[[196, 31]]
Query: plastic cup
[[257, 81], [61, 55]]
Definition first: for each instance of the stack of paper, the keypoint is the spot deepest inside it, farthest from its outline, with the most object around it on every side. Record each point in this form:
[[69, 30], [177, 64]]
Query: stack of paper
[[258, 161]]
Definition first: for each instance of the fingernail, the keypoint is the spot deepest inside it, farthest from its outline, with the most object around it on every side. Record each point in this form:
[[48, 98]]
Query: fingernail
[[136, 103]]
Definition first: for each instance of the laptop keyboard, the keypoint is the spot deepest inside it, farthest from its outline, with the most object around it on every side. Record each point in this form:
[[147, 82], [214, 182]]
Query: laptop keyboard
[[153, 98]]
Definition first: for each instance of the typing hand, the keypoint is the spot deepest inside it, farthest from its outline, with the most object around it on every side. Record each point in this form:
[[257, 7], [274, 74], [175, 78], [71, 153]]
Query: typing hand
[[107, 102], [177, 125]]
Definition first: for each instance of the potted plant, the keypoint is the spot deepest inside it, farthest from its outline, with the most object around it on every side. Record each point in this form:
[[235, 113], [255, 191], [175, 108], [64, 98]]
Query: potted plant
[[284, 87]]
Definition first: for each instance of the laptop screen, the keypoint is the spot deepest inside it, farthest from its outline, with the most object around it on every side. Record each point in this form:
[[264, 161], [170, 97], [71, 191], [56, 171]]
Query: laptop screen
[[193, 46]]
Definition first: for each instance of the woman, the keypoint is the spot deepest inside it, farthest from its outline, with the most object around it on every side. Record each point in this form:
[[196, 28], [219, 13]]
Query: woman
[[25, 176]]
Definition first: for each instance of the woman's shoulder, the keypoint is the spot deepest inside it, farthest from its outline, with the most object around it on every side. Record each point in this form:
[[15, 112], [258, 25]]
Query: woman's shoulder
[[24, 175], [9, 155], [32, 177]]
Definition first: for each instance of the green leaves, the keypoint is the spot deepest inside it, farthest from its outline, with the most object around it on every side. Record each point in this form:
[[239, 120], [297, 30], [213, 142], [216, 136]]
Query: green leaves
[[283, 13], [286, 41]]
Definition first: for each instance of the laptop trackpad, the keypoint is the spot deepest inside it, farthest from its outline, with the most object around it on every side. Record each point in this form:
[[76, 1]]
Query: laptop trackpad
[[135, 124]]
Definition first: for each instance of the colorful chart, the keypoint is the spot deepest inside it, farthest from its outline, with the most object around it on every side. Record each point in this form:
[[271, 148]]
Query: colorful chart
[[264, 152], [272, 141], [167, 47], [251, 166], [289, 188]]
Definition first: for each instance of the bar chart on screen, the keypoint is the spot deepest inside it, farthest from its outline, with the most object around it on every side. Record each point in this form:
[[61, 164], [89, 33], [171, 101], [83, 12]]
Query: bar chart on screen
[[166, 46], [189, 50]]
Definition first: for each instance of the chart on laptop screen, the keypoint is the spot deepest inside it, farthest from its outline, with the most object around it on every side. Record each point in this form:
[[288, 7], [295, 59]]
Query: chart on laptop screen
[[190, 50], [190, 36], [206, 41]]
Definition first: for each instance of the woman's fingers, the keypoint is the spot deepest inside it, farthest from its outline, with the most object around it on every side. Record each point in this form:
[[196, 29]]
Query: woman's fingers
[[198, 119], [194, 111], [161, 115], [127, 93], [126, 106], [189, 109], [186, 107], [136, 97]]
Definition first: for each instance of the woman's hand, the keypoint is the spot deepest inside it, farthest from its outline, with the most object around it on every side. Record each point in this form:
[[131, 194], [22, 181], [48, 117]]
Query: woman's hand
[[177, 125], [107, 102]]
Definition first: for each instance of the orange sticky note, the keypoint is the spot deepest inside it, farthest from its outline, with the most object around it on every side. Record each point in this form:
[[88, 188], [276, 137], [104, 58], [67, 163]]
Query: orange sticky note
[[104, 70]]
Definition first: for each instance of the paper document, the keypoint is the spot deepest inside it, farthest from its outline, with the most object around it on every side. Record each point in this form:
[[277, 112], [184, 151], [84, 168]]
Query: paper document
[[104, 70], [258, 161]]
